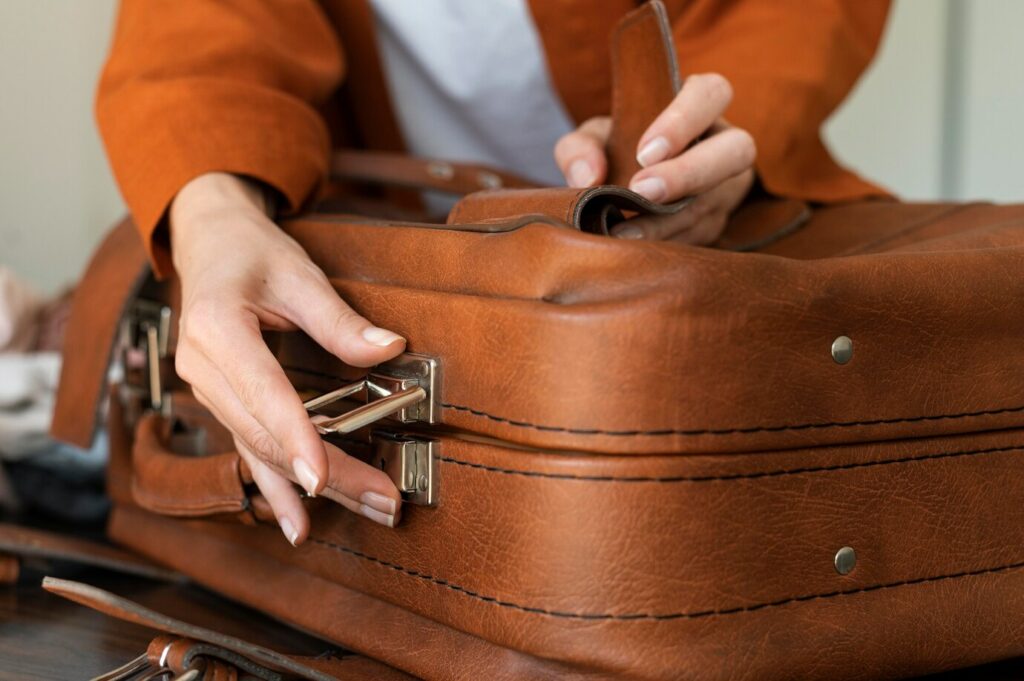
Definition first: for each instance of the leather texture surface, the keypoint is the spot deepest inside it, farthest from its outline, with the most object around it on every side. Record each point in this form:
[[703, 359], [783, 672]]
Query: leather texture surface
[[648, 456]]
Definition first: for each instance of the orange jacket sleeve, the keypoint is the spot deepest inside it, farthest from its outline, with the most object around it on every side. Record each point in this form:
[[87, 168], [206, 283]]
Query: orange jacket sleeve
[[791, 63], [194, 86]]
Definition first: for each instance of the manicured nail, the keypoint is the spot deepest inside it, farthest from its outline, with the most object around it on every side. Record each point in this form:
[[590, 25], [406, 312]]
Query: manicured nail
[[307, 477], [290, 533], [379, 501], [385, 519], [630, 232], [653, 152], [651, 188], [380, 337], [580, 173]]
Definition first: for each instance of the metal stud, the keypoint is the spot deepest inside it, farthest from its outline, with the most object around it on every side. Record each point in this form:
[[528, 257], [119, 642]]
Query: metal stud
[[842, 350], [488, 180], [845, 560], [441, 170]]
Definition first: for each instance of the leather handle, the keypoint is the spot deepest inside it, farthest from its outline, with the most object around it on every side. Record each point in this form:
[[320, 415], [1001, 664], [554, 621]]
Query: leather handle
[[185, 486], [173, 484], [384, 168]]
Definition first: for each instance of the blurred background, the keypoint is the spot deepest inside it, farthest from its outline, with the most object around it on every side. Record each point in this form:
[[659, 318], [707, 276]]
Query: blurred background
[[937, 116]]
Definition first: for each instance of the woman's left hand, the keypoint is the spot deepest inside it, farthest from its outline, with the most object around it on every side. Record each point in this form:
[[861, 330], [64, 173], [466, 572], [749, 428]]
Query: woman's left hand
[[717, 169]]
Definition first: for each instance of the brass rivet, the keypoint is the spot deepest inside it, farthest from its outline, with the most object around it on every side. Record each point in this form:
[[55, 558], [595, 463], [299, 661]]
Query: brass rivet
[[842, 350], [845, 560]]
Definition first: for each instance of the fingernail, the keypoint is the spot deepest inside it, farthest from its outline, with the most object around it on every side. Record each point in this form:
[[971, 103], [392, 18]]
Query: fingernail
[[653, 152], [290, 533], [630, 232], [385, 519], [380, 337], [580, 173], [379, 501], [307, 477], [651, 188]]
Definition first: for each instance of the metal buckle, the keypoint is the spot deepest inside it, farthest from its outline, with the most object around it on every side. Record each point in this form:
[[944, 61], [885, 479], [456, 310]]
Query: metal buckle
[[406, 389], [145, 335], [411, 463]]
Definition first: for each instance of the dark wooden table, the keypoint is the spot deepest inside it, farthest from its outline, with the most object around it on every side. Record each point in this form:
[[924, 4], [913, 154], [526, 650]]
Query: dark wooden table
[[43, 636]]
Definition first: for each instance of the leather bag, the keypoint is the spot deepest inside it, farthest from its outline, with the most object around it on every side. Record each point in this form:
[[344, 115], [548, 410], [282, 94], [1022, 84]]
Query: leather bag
[[795, 455]]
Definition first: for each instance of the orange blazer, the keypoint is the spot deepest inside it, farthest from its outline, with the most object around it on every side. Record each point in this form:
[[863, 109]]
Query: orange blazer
[[265, 88]]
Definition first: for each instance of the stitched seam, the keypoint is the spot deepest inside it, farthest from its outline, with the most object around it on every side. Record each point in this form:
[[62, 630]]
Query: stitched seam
[[725, 478], [729, 431], [696, 432], [927, 221], [650, 616]]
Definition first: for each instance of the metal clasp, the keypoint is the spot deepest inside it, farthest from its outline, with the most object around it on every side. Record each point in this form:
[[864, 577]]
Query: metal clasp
[[405, 387], [145, 334], [410, 462]]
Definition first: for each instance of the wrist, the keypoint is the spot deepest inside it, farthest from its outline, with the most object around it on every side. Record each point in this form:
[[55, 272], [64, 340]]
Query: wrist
[[213, 193], [206, 199]]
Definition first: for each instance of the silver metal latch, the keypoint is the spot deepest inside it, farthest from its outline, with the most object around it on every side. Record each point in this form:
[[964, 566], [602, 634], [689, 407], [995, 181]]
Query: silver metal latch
[[405, 387], [145, 335], [410, 462]]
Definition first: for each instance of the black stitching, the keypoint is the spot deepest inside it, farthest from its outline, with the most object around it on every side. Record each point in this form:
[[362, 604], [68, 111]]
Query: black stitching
[[650, 616], [729, 431], [734, 476], [696, 432]]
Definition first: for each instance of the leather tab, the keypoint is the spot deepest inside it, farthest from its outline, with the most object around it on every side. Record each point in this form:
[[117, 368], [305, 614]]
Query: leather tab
[[185, 486], [188, 638], [111, 280], [645, 79]]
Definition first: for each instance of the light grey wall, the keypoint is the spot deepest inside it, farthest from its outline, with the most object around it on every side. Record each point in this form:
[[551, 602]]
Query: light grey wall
[[56, 195], [913, 123], [890, 129]]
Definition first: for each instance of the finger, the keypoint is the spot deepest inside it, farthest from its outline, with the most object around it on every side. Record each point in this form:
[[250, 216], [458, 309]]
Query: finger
[[701, 168], [705, 232], [580, 154], [659, 227], [352, 483], [318, 310], [699, 103], [280, 494], [212, 391], [235, 350], [728, 196], [362, 488]]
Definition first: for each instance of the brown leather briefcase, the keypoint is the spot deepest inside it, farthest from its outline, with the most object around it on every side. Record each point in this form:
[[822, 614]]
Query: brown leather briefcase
[[796, 455]]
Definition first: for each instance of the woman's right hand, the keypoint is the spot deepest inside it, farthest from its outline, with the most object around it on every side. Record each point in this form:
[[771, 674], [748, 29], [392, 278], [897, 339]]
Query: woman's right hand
[[239, 274]]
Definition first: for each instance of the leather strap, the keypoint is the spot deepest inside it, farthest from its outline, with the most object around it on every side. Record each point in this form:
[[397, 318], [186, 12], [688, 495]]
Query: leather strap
[[25, 542], [594, 209], [645, 79], [386, 168], [115, 273], [312, 669]]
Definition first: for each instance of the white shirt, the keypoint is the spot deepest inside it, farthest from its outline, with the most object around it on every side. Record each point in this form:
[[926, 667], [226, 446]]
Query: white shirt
[[469, 82]]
